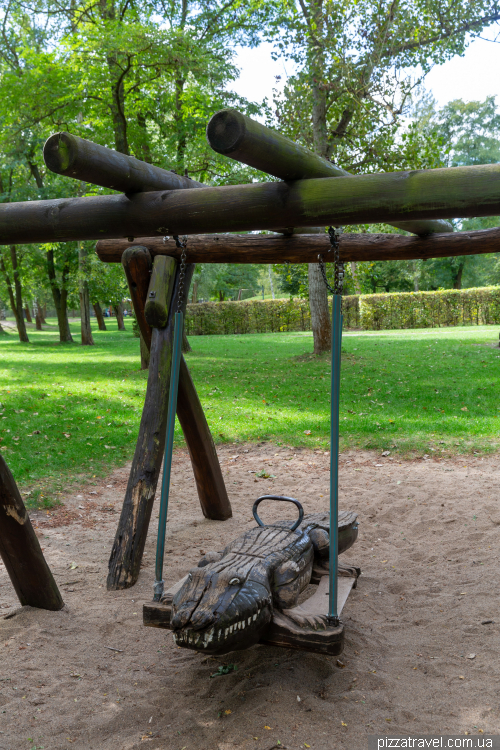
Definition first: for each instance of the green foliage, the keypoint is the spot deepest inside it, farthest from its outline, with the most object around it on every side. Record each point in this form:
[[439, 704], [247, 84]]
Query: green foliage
[[355, 74], [258, 316], [470, 132], [223, 280], [451, 307], [255, 316], [438, 309]]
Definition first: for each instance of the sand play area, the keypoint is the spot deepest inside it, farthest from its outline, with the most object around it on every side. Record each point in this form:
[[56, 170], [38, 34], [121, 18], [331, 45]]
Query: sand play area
[[422, 651]]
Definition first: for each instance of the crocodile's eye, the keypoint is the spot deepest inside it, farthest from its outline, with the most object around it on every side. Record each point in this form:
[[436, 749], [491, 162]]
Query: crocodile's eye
[[190, 577], [234, 581]]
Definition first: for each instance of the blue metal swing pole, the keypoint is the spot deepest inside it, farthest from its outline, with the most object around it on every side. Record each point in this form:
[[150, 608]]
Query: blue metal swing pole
[[167, 461], [337, 319]]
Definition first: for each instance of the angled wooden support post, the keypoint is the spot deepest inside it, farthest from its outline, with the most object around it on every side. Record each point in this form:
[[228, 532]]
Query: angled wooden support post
[[128, 547], [210, 484], [20, 549]]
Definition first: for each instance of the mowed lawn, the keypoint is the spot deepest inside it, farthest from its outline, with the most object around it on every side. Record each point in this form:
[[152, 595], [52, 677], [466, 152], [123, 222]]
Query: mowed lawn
[[69, 411]]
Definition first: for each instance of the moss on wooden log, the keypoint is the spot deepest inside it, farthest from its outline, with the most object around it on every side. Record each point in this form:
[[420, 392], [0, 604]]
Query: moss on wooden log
[[20, 549], [237, 136], [157, 301], [304, 248], [76, 157], [436, 193]]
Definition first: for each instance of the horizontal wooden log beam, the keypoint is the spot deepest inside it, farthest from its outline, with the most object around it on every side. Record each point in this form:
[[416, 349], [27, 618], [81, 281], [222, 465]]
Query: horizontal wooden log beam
[[435, 194], [304, 248], [76, 157], [237, 136]]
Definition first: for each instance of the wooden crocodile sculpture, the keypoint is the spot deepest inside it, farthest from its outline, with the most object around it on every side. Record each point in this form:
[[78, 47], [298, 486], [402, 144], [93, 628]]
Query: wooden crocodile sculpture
[[227, 602]]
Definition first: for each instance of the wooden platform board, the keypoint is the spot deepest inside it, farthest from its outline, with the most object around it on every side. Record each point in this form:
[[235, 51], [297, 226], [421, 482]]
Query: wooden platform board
[[283, 631]]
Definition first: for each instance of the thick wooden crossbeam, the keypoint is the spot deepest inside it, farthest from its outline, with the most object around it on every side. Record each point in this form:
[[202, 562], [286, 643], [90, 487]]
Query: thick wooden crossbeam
[[367, 199], [76, 157], [304, 248], [237, 136]]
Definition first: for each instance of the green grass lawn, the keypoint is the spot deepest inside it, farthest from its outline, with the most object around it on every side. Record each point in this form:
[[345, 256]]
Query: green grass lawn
[[69, 411]]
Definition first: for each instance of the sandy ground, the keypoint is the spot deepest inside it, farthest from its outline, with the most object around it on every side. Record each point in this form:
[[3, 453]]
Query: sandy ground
[[422, 648]]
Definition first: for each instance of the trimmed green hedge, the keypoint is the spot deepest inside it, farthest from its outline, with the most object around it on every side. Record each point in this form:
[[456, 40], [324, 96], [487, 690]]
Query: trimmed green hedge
[[450, 307], [255, 316]]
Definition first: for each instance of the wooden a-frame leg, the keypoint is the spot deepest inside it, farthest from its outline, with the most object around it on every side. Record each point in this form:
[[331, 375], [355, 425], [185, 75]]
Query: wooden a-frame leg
[[212, 493], [206, 467], [20, 549], [128, 547], [130, 538]]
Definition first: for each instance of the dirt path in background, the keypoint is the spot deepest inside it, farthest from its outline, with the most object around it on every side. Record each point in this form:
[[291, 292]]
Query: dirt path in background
[[93, 678]]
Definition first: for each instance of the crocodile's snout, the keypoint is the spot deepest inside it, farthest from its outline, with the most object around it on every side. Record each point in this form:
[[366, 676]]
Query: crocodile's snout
[[220, 618]]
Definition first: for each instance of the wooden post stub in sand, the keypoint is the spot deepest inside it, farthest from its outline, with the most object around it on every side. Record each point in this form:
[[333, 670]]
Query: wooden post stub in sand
[[20, 549]]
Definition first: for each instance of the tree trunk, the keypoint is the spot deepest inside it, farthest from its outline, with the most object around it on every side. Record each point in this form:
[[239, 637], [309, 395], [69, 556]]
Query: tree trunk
[[60, 297], [355, 277], [270, 280], [320, 314], [186, 346], [457, 281], [318, 295], [29, 319], [43, 313], [83, 285], [194, 295], [117, 104], [145, 354], [17, 309], [99, 316], [144, 148], [23, 336], [119, 315], [38, 315]]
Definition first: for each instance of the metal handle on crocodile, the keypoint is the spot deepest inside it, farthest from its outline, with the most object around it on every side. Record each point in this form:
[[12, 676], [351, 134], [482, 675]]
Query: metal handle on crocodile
[[278, 497]]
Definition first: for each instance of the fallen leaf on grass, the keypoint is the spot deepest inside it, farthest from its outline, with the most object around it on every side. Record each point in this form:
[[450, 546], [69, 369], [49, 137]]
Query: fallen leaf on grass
[[110, 447], [66, 434], [464, 408], [307, 432]]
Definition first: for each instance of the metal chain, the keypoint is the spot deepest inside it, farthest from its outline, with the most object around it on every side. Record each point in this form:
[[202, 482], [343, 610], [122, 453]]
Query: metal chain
[[181, 244], [334, 234]]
